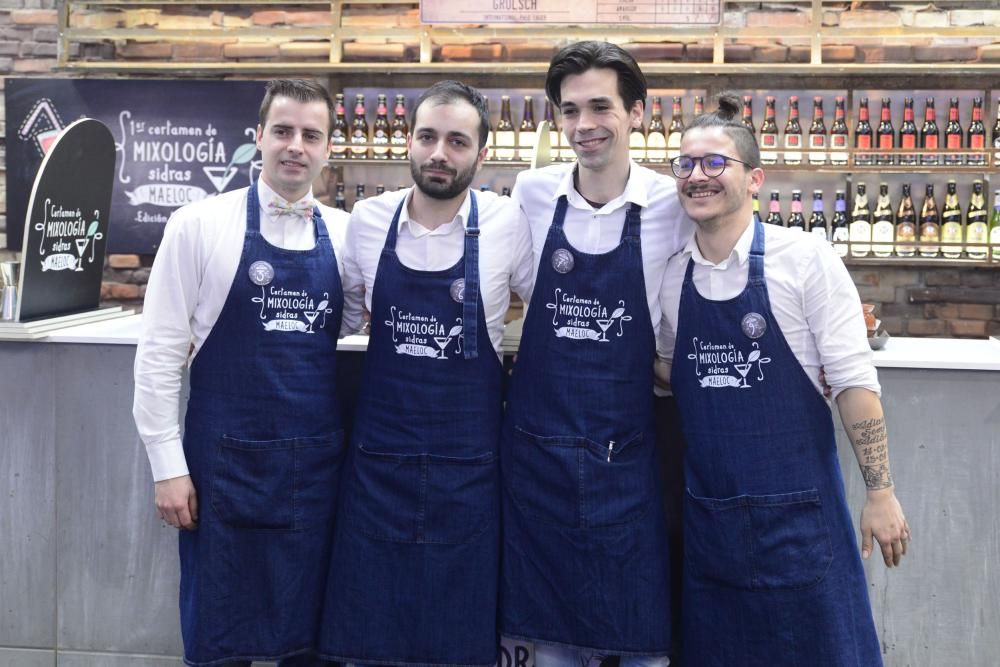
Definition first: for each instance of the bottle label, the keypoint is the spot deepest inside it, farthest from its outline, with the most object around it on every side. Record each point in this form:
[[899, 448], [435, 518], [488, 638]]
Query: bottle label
[[817, 141], [838, 140], [929, 231], [930, 141], [768, 140], [793, 140], [995, 238], [882, 231], [906, 231], [864, 141], [380, 137], [977, 141], [909, 141], [951, 232], [954, 141], [506, 141], [976, 232], [885, 141]]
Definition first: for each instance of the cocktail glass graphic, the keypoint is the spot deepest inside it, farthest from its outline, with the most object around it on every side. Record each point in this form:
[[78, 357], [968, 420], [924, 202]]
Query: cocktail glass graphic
[[81, 246], [442, 342], [311, 315], [605, 324], [743, 369], [220, 176]]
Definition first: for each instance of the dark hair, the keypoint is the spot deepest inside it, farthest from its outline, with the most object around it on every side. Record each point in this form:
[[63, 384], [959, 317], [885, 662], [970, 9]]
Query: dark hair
[[727, 116], [579, 57], [446, 92], [300, 90]]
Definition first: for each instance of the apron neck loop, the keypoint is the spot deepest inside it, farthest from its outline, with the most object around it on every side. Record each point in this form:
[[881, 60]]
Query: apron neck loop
[[560, 215], [470, 297], [756, 276], [390, 238], [253, 211], [633, 221]]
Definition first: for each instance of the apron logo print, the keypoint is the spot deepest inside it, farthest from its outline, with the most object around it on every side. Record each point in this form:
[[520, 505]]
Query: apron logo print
[[412, 334], [457, 290], [580, 314], [562, 261], [713, 361], [280, 308], [261, 273], [753, 325]]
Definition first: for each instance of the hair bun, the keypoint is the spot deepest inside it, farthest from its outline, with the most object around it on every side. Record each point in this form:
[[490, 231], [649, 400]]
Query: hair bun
[[729, 106]]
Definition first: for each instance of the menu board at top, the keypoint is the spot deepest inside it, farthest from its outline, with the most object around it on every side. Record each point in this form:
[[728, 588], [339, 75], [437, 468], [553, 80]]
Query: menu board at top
[[681, 12]]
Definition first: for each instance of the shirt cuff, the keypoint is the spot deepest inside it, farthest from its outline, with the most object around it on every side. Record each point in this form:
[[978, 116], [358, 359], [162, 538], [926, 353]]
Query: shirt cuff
[[166, 460]]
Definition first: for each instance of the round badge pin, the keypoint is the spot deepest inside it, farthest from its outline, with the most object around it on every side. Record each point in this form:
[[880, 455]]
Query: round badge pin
[[562, 260], [261, 273], [457, 290], [754, 325]]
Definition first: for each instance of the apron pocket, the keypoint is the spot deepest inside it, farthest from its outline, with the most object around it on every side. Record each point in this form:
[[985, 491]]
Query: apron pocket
[[578, 483], [276, 484], [423, 498], [758, 542]]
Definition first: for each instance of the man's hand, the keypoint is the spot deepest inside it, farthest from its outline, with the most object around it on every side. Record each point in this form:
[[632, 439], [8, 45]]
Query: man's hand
[[177, 502], [882, 518], [661, 373]]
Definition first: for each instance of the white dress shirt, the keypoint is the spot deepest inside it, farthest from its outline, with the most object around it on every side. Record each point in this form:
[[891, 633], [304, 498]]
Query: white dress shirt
[[188, 286], [813, 298], [664, 231], [502, 244]]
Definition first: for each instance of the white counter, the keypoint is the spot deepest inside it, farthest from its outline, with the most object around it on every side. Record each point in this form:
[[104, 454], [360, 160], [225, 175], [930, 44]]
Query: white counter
[[940, 353]]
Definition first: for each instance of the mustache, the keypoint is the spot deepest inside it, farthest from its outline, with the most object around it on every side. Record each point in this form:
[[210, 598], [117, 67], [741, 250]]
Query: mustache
[[438, 166], [690, 189]]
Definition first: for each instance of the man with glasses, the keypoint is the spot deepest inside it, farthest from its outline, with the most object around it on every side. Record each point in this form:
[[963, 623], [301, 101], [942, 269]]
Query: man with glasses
[[585, 565], [772, 574]]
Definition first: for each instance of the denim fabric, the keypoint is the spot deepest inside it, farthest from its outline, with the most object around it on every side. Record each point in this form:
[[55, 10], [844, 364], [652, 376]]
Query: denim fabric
[[585, 551], [413, 578], [547, 655], [263, 442], [772, 573]]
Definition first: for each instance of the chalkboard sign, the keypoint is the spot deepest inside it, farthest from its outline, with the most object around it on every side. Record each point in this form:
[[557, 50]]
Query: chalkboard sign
[[176, 142], [66, 232]]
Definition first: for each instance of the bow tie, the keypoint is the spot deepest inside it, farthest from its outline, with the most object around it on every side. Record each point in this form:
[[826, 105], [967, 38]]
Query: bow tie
[[302, 208]]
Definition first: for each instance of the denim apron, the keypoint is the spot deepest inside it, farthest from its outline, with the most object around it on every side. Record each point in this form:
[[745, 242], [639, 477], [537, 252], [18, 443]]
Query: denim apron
[[585, 560], [263, 442], [772, 573], [413, 578]]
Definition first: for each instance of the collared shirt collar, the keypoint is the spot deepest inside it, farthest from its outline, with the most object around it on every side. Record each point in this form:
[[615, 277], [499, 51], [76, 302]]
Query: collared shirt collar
[[417, 230], [636, 190], [741, 251]]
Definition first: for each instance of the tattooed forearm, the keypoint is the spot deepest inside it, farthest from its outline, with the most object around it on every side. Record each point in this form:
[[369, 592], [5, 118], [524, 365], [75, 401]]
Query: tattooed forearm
[[872, 449]]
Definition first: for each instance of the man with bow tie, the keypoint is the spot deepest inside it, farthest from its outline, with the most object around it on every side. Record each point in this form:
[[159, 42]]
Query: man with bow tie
[[246, 291]]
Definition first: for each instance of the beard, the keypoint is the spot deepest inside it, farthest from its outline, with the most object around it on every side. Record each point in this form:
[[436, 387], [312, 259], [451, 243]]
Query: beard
[[435, 188]]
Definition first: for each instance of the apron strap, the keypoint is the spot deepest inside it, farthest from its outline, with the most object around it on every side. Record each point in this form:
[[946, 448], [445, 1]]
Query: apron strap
[[470, 298], [390, 238], [319, 225], [756, 276], [560, 214], [253, 211], [633, 221]]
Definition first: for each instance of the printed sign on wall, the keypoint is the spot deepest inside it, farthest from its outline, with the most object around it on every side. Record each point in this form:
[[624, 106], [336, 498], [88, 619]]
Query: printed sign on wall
[[176, 142], [66, 232]]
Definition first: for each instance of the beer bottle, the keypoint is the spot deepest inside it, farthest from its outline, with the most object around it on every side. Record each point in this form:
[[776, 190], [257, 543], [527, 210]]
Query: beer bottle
[[906, 225], [885, 134], [338, 136], [930, 225], [817, 221], [379, 189], [930, 136], [768, 134], [952, 229], [675, 130], [699, 105], [839, 231], [908, 133], [398, 130], [995, 226], [863, 135], [637, 143], [838, 134], [756, 207], [793, 133], [526, 135], [861, 224], [491, 144], [796, 220], [996, 139], [506, 137], [656, 137], [774, 213], [380, 130], [359, 129], [976, 223], [550, 118], [953, 135], [340, 199], [359, 193], [817, 133], [883, 229], [977, 134], [748, 114]]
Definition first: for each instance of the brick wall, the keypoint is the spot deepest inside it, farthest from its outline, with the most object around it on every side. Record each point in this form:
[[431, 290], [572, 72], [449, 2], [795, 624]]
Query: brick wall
[[913, 302]]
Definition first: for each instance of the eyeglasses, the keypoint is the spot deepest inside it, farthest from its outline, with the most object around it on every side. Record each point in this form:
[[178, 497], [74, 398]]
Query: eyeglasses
[[712, 164]]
